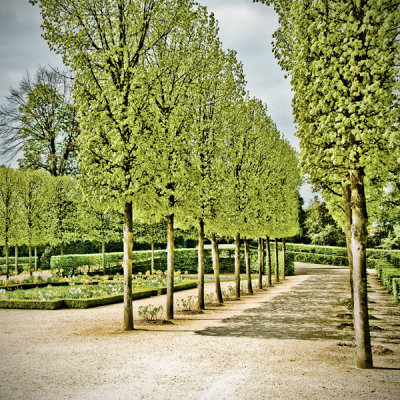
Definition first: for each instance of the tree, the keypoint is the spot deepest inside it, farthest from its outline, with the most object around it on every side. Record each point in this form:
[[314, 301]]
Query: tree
[[321, 227], [107, 49], [175, 69], [10, 181], [39, 119], [63, 197], [342, 57], [150, 232], [35, 209], [218, 84], [99, 225]]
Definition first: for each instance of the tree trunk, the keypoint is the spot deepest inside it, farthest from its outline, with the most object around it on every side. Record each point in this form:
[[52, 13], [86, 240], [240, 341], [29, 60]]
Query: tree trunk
[[269, 266], [237, 265], [30, 259], [62, 248], [215, 257], [152, 258], [36, 263], [16, 258], [283, 258], [276, 261], [103, 255], [348, 218], [170, 267], [358, 247], [7, 259], [200, 293], [128, 246], [248, 267], [261, 260]]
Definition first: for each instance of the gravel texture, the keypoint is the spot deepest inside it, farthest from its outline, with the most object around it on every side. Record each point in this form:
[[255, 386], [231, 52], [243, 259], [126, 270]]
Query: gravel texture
[[290, 341]]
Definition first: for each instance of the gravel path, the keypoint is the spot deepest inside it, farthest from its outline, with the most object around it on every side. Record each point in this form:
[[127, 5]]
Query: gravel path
[[290, 341]]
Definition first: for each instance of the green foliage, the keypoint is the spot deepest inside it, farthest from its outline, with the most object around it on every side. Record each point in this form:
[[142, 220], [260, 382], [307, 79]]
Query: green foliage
[[315, 258], [321, 227], [150, 313], [386, 273], [187, 304], [396, 289], [39, 119]]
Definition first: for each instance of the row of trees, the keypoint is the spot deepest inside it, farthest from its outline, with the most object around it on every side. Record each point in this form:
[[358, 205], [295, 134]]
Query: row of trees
[[37, 209], [343, 61], [166, 129]]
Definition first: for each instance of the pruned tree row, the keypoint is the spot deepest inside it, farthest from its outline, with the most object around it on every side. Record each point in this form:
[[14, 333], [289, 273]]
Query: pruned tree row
[[167, 131]]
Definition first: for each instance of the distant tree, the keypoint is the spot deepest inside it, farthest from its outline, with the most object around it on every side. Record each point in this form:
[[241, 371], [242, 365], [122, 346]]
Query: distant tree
[[98, 225], [63, 197], [39, 120], [35, 209], [10, 181], [321, 227], [151, 233]]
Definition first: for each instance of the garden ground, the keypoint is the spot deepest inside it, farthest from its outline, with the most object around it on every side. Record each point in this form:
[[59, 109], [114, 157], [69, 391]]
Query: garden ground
[[290, 341]]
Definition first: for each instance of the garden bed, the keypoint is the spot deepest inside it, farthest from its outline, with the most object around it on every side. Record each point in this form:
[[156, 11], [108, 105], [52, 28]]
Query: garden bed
[[43, 303]]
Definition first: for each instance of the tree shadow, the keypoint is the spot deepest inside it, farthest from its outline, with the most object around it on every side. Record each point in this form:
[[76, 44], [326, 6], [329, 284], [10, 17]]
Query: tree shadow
[[308, 312]]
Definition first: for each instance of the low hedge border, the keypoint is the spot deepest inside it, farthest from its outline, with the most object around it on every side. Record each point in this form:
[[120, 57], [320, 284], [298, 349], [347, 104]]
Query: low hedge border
[[92, 302], [179, 287], [25, 286], [33, 304]]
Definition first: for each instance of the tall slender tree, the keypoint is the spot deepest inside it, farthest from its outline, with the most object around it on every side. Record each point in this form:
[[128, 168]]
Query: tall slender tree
[[343, 59]]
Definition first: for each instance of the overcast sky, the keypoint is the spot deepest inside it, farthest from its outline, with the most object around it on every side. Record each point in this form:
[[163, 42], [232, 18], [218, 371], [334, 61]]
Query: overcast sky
[[244, 26]]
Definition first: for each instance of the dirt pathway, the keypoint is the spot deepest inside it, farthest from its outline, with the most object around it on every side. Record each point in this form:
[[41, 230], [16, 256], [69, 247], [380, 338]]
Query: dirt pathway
[[282, 343]]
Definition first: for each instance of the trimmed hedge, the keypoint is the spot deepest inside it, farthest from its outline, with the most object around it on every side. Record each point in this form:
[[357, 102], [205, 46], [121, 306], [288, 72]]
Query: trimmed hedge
[[21, 260], [314, 258], [179, 287], [26, 286], [185, 260], [33, 304], [396, 289], [386, 273]]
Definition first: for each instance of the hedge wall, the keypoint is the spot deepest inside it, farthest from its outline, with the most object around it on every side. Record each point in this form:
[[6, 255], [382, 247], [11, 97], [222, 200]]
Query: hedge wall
[[185, 260], [396, 289]]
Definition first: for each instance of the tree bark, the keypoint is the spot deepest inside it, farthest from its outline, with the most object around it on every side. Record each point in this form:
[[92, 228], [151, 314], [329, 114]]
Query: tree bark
[[248, 267], [215, 256], [152, 258], [276, 261], [200, 292], [7, 259], [283, 258], [170, 267], [16, 259], [128, 246], [103, 255], [36, 258], [269, 266], [358, 247], [261, 262], [237, 265], [348, 218], [30, 259]]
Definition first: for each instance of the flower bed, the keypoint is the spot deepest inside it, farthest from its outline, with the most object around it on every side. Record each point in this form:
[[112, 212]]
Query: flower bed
[[85, 296]]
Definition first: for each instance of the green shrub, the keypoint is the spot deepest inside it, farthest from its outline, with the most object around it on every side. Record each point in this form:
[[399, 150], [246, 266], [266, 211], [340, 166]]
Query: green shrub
[[315, 258], [396, 289], [150, 313]]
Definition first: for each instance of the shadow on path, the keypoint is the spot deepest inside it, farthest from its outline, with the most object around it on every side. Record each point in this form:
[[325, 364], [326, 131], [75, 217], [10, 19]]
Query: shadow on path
[[309, 311]]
